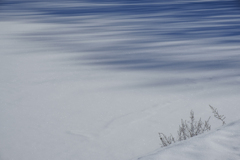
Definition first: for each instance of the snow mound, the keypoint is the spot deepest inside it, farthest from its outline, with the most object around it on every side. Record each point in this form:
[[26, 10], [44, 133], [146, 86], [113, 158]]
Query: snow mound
[[221, 144]]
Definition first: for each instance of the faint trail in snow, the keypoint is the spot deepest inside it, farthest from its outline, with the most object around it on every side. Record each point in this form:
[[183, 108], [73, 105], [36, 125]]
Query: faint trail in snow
[[134, 117], [79, 134]]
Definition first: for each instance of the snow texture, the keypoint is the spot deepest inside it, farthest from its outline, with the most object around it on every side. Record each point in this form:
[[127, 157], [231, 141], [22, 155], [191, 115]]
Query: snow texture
[[86, 80]]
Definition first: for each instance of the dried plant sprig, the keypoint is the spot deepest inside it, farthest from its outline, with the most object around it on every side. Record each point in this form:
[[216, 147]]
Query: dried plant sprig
[[166, 140], [216, 115], [186, 130]]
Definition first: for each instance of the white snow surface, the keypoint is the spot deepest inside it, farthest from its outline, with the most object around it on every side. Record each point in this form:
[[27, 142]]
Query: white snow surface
[[57, 103], [221, 144]]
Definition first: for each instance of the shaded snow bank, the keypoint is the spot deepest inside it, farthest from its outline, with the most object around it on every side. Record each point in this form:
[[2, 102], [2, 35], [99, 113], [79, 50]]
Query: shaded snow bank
[[221, 144]]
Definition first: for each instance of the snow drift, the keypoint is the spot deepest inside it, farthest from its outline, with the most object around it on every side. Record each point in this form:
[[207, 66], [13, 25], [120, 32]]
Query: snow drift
[[222, 143]]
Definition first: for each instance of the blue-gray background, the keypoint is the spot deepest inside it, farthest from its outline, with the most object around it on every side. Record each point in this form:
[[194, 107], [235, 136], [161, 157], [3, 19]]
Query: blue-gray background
[[138, 35]]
